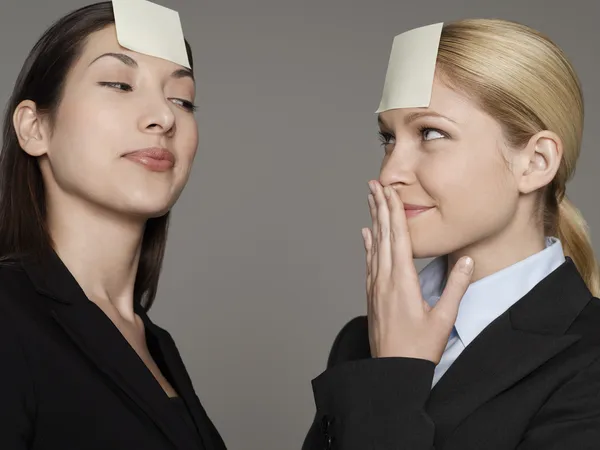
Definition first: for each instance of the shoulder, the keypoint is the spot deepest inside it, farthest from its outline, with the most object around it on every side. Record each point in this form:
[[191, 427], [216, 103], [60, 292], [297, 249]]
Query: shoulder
[[14, 286], [587, 325], [18, 404], [351, 343], [12, 311], [22, 308]]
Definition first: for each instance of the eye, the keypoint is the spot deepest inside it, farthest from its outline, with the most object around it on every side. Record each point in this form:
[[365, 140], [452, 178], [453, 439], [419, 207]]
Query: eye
[[388, 141], [386, 138], [185, 104], [117, 85], [431, 134]]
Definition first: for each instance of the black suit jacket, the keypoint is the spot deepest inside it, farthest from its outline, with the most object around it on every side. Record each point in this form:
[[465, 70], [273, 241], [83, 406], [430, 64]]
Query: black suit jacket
[[70, 380], [529, 381]]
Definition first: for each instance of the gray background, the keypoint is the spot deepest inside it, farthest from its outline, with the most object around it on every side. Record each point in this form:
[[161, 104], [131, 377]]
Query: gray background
[[265, 260]]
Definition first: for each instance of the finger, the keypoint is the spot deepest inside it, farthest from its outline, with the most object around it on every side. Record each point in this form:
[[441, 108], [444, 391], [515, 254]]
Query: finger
[[384, 253], [366, 233], [368, 246], [401, 247], [374, 232], [458, 282], [373, 212]]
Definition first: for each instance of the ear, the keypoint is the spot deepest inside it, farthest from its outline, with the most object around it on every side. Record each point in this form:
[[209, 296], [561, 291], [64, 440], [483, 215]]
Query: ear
[[541, 159], [30, 130]]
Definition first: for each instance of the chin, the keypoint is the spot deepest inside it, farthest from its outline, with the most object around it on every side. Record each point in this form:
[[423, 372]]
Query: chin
[[426, 254], [156, 214], [432, 238], [427, 247], [147, 211], [148, 204]]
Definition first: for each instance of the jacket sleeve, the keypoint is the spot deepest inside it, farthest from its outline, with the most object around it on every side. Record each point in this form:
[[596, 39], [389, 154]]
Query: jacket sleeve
[[570, 418], [370, 403], [16, 405]]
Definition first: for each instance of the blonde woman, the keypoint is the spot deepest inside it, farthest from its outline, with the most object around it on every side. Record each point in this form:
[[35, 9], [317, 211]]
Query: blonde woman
[[495, 345]]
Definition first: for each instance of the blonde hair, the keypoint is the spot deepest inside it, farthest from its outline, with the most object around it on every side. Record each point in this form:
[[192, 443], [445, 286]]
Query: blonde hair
[[522, 79]]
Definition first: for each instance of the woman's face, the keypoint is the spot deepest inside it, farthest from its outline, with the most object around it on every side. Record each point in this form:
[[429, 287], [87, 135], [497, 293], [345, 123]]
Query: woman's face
[[116, 102], [451, 159]]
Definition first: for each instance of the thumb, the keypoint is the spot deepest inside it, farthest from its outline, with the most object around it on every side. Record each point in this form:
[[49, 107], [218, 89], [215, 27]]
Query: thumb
[[456, 286]]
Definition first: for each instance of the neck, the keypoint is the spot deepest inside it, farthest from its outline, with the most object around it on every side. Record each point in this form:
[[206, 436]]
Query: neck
[[100, 248], [515, 243]]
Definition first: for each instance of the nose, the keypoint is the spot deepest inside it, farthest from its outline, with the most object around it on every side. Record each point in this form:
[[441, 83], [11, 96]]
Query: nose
[[158, 116], [398, 168]]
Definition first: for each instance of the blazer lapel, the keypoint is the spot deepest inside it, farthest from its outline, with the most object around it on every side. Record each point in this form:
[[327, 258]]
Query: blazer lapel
[[183, 384], [514, 345], [103, 344]]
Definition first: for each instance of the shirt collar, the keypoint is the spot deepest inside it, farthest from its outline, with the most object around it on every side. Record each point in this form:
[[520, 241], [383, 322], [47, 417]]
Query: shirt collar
[[488, 298]]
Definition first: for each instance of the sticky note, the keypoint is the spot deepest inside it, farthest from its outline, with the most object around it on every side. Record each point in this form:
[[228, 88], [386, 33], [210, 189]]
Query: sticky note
[[151, 29], [411, 68]]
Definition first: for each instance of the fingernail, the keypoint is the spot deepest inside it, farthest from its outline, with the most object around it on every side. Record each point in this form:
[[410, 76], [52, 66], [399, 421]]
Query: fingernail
[[466, 265], [372, 186], [364, 233], [387, 191]]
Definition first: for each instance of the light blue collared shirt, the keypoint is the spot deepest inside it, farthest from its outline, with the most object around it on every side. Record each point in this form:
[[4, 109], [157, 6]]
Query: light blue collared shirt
[[487, 298]]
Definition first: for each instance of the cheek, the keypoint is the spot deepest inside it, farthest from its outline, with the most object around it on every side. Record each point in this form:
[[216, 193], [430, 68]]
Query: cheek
[[471, 193], [77, 145], [466, 182], [446, 179], [90, 123], [186, 141], [472, 204], [84, 142], [477, 204]]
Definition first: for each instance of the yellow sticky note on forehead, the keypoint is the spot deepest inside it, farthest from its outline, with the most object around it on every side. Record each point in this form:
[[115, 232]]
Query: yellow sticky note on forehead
[[151, 29], [411, 69]]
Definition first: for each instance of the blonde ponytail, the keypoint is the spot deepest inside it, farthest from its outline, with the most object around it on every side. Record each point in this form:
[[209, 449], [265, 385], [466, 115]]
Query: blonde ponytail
[[573, 233]]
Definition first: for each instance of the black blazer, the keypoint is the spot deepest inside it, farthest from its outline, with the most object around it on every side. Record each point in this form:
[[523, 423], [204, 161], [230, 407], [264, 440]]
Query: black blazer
[[529, 381], [70, 380]]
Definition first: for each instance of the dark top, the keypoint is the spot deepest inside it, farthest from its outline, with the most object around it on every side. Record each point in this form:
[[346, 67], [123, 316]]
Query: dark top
[[529, 381], [182, 410], [72, 381]]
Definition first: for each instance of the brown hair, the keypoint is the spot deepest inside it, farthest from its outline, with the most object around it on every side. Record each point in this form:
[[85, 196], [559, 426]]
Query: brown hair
[[23, 229]]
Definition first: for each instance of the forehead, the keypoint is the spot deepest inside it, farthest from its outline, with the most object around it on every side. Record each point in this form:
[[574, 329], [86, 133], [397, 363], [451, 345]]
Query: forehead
[[449, 101], [105, 41], [445, 101]]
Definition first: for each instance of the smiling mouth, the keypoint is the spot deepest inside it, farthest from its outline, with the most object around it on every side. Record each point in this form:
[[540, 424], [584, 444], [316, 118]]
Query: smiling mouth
[[413, 211], [153, 159]]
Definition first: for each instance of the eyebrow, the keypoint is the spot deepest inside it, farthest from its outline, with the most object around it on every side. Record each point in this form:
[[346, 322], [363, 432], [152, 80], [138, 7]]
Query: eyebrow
[[414, 116], [129, 61]]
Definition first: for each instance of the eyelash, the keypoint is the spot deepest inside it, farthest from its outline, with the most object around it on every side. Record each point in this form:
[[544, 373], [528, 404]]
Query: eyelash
[[186, 104], [385, 137]]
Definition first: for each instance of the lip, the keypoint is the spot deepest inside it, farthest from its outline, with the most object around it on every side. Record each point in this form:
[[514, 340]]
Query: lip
[[155, 159], [415, 210]]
